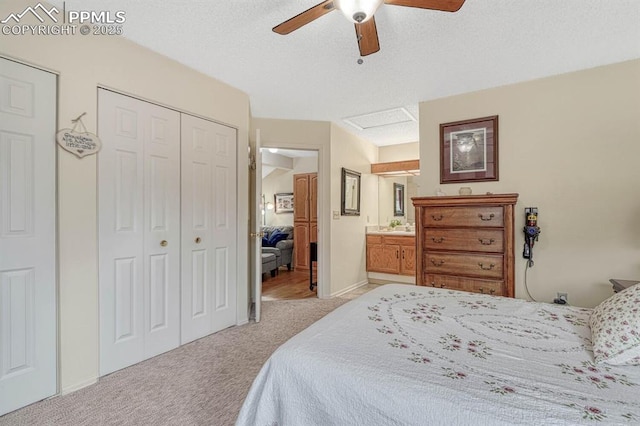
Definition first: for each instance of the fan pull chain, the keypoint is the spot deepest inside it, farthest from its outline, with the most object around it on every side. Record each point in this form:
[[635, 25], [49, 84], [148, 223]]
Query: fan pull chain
[[359, 35]]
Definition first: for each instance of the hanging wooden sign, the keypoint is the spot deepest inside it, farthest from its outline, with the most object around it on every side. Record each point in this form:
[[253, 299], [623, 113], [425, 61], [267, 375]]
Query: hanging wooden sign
[[79, 142]]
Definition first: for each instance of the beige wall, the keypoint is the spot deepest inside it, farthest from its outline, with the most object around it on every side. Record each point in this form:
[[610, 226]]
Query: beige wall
[[348, 241], [83, 63], [568, 145], [401, 152]]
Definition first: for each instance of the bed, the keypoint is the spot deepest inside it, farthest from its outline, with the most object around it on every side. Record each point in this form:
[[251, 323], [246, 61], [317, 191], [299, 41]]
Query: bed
[[407, 355]]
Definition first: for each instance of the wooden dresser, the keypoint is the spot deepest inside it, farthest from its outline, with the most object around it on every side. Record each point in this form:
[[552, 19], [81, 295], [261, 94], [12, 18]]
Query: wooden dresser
[[466, 243]]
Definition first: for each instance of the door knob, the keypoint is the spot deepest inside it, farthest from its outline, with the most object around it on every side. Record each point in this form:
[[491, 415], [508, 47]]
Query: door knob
[[164, 243]]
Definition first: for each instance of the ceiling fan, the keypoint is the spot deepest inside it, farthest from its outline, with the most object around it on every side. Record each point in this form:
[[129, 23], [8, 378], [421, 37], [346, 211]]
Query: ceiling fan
[[360, 12]]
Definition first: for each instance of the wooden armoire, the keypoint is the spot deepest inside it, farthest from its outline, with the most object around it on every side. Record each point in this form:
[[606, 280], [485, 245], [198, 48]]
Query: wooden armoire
[[305, 217]]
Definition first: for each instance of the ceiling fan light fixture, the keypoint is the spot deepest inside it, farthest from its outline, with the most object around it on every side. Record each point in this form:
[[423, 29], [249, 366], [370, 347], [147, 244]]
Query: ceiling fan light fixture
[[358, 11]]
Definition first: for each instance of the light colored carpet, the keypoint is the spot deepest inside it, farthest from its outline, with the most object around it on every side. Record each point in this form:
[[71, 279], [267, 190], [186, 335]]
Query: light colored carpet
[[201, 383]]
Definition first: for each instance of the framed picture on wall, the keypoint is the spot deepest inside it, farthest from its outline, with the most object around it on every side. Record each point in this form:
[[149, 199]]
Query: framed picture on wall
[[283, 202], [469, 150]]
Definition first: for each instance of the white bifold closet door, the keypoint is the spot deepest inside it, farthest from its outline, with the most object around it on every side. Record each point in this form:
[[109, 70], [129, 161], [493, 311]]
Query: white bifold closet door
[[27, 235], [209, 225], [139, 230]]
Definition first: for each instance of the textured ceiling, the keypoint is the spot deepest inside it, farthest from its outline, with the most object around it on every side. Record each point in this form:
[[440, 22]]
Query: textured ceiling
[[313, 74]]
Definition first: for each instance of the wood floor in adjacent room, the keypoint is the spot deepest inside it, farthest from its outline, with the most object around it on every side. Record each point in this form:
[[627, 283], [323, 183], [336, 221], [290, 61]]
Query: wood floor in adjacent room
[[287, 285], [292, 285]]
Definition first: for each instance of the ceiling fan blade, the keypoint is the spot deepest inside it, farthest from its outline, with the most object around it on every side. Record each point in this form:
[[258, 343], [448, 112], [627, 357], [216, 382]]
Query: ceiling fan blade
[[304, 18], [367, 34], [444, 5]]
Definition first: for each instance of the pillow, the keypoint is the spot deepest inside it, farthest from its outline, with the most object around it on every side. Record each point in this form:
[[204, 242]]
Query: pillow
[[277, 236], [615, 328], [265, 242]]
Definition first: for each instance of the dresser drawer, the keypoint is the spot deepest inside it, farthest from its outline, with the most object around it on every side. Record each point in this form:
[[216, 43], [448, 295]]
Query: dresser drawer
[[494, 288], [490, 216], [482, 240], [469, 265]]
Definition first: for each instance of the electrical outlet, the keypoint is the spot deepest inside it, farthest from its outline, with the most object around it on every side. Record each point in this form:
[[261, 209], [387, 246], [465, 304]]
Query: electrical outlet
[[561, 299]]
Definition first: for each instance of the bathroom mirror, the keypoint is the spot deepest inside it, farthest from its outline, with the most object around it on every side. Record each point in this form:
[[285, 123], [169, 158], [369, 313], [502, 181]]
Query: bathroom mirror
[[398, 199], [350, 193], [387, 199]]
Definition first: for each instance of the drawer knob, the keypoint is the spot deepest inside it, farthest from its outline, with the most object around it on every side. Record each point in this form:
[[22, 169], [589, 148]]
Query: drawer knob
[[442, 286], [436, 218], [437, 240], [481, 265], [491, 290], [486, 242], [437, 262], [487, 218]]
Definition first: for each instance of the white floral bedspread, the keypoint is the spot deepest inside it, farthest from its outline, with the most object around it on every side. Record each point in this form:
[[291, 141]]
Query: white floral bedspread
[[407, 355]]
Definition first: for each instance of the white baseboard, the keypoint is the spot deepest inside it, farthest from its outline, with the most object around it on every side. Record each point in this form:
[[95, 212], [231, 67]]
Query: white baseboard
[[348, 289], [78, 386]]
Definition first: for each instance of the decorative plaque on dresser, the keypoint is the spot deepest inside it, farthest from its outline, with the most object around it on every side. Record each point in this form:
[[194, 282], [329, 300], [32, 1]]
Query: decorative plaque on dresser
[[466, 243]]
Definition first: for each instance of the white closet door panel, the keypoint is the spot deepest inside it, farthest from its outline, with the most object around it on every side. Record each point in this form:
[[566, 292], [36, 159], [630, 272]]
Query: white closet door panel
[[27, 235], [126, 193], [225, 227], [209, 227], [162, 229], [221, 282], [17, 315], [198, 283], [121, 231], [125, 301], [139, 223], [196, 228], [17, 152], [158, 292]]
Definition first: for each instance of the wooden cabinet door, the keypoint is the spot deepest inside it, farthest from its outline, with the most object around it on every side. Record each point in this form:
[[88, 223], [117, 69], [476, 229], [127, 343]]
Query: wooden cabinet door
[[313, 197], [408, 260], [301, 245], [301, 198], [383, 258]]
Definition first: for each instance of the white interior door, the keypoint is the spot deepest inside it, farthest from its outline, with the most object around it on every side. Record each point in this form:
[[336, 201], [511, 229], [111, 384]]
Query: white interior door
[[209, 225], [256, 231], [27, 235], [139, 230]]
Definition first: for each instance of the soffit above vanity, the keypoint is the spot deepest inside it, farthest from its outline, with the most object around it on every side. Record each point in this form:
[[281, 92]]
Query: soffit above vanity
[[397, 168]]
